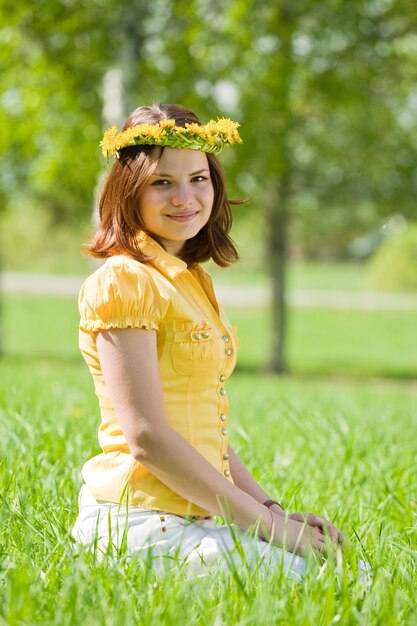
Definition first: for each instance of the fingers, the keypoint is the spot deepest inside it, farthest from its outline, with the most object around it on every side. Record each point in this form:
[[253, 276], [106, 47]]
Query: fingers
[[335, 535], [313, 539], [322, 544], [327, 528]]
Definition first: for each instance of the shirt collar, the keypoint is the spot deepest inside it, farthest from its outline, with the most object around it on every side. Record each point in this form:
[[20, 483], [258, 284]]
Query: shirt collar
[[166, 263]]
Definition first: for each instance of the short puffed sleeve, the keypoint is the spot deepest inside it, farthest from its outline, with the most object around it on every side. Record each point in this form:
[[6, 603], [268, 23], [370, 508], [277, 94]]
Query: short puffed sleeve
[[121, 294]]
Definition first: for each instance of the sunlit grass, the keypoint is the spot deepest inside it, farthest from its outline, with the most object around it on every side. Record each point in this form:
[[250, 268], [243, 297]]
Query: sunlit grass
[[333, 342], [338, 449], [343, 449]]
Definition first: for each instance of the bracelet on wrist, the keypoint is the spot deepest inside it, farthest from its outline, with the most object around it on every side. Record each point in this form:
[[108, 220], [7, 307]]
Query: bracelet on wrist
[[269, 503]]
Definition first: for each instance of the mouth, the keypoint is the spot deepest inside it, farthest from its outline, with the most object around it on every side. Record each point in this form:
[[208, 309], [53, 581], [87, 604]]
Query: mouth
[[183, 217]]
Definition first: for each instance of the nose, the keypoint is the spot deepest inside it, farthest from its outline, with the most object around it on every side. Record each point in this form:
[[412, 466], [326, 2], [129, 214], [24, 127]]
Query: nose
[[182, 195]]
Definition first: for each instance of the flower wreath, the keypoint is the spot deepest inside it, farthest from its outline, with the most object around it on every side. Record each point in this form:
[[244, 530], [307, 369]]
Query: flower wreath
[[211, 137]]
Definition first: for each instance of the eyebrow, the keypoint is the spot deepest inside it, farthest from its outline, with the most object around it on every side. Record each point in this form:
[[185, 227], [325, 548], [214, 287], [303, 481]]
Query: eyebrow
[[170, 175]]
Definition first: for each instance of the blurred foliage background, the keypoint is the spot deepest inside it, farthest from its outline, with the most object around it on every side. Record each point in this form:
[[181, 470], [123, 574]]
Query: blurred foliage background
[[325, 92]]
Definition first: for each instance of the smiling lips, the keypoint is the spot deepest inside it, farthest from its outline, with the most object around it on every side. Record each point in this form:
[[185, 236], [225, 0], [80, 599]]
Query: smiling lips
[[183, 217]]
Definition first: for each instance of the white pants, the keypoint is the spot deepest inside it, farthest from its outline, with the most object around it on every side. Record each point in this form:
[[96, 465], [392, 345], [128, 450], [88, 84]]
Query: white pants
[[170, 540]]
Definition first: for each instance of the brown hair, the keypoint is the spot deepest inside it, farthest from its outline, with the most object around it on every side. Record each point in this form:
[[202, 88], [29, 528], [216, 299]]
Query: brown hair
[[119, 216]]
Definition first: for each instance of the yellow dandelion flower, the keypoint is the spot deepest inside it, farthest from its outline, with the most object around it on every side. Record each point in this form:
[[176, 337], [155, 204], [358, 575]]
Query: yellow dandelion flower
[[193, 128], [198, 130], [156, 132], [108, 142], [226, 127], [167, 124]]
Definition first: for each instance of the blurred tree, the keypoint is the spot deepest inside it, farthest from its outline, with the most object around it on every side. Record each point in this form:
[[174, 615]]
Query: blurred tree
[[354, 94], [325, 92], [327, 96], [51, 104]]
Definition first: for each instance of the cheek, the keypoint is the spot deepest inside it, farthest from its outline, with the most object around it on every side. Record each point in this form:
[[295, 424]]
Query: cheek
[[147, 205], [209, 198], [149, 198]]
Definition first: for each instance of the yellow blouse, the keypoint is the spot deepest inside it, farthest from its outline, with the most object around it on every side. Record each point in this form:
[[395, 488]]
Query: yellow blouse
[[196, 353]]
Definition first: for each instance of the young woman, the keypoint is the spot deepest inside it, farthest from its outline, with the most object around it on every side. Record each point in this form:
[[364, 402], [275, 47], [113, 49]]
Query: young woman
[[160, 350]]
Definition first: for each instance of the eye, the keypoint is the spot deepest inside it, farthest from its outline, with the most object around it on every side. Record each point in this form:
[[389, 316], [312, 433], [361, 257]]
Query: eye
[[199, 179], [161, 182]]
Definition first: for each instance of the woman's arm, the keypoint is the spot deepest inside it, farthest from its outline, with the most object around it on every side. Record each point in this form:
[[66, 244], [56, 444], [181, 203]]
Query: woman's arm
[[130, 368], [245, 481], [129, 364]]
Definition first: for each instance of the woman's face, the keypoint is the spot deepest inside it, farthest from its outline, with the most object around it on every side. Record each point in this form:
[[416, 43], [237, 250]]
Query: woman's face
[[177, 200]]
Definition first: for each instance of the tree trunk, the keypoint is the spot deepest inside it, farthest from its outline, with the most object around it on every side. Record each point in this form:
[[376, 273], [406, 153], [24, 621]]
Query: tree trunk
[[278, 205], [277, 252]]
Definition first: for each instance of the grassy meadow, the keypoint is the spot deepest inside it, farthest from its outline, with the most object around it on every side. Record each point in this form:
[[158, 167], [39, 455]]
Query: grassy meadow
[[336, 438]]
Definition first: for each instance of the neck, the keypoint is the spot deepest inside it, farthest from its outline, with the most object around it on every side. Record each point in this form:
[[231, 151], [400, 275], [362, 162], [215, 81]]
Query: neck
[[173, 247]]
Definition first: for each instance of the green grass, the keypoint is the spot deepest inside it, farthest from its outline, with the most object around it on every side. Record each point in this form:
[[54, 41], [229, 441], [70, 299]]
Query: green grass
[[320, 342], [344, 449], [42, 327], [334, 342]]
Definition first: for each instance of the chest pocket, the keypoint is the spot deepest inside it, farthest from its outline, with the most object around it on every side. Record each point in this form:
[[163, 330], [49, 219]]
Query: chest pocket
[[196, 348]]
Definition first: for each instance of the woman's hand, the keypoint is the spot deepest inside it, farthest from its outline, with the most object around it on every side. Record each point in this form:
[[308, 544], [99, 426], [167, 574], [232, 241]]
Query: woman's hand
[[296, 535], [316, 521]]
